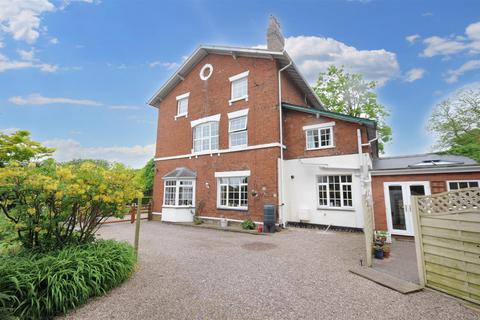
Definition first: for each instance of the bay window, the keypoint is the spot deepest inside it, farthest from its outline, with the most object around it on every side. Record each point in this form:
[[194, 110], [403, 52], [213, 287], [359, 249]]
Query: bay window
[[179, 193]]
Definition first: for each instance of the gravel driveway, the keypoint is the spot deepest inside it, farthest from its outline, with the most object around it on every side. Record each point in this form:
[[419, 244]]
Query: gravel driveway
[[189, 273]]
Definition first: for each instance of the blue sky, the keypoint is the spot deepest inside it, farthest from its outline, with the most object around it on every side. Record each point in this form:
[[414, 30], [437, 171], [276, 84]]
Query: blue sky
[[78, 73]]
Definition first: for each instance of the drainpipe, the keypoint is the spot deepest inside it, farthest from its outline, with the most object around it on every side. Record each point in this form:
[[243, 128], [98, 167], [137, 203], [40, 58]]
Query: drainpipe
[[281, 197]]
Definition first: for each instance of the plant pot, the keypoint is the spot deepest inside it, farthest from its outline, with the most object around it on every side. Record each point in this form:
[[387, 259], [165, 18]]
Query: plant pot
[[386, 254], [223, 223], [378, 253]]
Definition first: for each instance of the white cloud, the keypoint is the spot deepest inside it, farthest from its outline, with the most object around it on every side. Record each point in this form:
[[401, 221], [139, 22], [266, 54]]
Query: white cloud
[[427, 14], [414, 74], [120, 107], [54, 41], [446, 46], [413, 38], [167, 65], [21, 18], [8, 64], [27, 55], [69, 149], [37, 99], [314, 54], [453, 75], [9, 130]]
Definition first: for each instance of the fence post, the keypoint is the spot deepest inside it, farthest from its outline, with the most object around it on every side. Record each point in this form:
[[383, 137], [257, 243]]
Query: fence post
[[137, 226], [418, 240]]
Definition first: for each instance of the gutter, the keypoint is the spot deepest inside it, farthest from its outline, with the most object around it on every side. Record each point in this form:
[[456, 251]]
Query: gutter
[[281, 216], [437, 170]]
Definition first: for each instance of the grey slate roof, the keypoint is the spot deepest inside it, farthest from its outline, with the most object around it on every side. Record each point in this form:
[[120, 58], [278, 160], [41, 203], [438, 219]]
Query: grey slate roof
[[421, 161], [180, 172]]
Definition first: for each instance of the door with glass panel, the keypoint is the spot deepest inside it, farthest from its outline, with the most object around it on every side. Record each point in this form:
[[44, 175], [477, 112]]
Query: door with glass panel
[[399, 207]]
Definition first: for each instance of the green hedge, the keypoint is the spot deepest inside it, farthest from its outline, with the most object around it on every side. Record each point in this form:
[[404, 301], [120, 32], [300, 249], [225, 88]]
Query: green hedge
[[40, 286]]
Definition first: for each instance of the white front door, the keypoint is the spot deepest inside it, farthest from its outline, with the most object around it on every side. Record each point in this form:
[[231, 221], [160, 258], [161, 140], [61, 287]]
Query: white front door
[[398, 204]]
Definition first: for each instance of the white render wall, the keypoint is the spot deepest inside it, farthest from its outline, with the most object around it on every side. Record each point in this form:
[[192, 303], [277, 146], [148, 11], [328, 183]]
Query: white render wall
[[301, 191], [171, 214]]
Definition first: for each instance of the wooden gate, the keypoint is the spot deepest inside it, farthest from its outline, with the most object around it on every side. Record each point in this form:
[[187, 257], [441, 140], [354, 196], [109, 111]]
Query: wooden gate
[[447, 240]]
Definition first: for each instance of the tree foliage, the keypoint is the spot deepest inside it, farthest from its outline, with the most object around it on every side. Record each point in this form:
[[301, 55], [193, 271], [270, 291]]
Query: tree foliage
[[350, 94], [454, 118], [54, 205], [467, 144], [19, 147], [146, 176]]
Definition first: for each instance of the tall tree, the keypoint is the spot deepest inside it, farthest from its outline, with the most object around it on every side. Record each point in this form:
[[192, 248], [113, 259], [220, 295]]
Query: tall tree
[[350, 94], [454, 117], [467, 144], [146, 176], [19, 147]]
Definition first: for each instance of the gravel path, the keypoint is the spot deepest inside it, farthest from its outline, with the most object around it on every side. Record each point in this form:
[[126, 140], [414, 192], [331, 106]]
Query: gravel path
[[189, 273]]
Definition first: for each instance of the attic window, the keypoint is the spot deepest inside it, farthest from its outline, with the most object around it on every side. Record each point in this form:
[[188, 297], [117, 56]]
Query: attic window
[[206, 72]]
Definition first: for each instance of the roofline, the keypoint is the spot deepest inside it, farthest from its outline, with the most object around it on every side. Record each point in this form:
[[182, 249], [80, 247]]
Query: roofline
[[331, 114], [440, 154], [213, 47], [432, 170], [259, 53]]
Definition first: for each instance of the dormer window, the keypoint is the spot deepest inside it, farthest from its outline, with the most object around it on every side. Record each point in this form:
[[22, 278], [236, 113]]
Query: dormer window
[[319, 136], [182, 105], [239, 85]]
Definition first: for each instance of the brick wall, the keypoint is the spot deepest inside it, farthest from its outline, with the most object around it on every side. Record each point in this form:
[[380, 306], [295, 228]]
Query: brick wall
[[211, 97], [263, 178], [438, 183], [344, 136]]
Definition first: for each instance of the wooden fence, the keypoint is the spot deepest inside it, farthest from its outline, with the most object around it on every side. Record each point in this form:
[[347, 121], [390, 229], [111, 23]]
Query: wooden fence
[[447, 240]]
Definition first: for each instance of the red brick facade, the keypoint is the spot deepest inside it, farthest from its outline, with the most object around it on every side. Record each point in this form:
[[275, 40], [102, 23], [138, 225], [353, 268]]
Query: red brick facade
[[210, 97], [438, 183]]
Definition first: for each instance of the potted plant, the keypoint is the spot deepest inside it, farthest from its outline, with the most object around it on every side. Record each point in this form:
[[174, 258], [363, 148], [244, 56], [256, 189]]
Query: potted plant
[[248, 224], [378, 251], [386, 250]]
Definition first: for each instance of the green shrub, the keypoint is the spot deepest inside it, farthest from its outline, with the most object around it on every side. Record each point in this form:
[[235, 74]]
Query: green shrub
[[42, 285], [197, 220], [248, 224]]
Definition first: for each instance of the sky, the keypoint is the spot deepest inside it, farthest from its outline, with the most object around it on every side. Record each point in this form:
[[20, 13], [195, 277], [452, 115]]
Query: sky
[[77, 73]]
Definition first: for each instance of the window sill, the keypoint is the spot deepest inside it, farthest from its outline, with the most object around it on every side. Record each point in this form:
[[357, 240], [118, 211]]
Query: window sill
[[237, 99], [178, 207], [319, 148], [202, 153], [233, 208], [181, 115], [337, 208], [238, 148]]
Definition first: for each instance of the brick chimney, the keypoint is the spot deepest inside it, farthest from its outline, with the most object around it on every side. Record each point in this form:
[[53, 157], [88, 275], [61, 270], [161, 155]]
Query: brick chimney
[[275, 40]]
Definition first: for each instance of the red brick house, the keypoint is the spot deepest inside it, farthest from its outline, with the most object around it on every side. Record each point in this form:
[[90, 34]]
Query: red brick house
[[240, 127]]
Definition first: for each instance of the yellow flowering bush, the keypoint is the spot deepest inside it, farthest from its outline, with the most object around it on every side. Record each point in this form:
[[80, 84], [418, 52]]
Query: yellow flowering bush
[[53, 205]]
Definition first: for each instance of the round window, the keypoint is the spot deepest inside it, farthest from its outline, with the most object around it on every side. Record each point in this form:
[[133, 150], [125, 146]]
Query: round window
[[206, 71]]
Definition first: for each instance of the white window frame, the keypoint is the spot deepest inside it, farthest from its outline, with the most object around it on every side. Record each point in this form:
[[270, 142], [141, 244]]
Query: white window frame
[[232, 116], [177, 193], [227, 175], [210, 149], [458, 181], [234, 78], [319, 128], [327, 185], [182, 97]]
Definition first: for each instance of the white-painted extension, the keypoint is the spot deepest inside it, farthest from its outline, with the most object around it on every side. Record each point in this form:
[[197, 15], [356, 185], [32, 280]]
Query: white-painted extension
[[301, 193]]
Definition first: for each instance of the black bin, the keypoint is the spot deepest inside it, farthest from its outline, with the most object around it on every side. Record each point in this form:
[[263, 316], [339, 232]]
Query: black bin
[[269, 218]]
